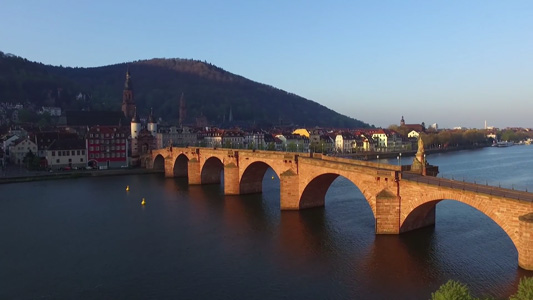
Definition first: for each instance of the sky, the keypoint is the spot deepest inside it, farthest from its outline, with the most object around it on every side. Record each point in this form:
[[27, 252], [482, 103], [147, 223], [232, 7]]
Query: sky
[[454, 63]]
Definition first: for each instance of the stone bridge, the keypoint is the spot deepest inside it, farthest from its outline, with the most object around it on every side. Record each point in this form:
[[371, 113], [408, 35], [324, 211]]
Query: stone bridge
[[400, 201]]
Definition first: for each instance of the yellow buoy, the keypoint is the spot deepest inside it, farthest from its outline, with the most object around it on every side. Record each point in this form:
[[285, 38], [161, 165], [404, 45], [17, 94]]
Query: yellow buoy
[[127, 188], [143, 202], [272, 177]]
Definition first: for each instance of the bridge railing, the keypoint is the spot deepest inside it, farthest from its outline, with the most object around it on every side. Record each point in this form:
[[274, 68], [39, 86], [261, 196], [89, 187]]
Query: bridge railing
[[469, 186], [359, 162]]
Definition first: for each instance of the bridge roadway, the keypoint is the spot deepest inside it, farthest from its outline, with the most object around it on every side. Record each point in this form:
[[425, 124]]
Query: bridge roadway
[[468, 186], [399, 199]]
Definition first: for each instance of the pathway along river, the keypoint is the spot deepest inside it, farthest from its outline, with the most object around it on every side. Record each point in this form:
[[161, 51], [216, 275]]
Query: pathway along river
[[90, 239]]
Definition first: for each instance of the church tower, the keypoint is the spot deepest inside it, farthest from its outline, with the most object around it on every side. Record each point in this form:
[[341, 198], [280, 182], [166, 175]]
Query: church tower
[[128, 103], [402, 122]]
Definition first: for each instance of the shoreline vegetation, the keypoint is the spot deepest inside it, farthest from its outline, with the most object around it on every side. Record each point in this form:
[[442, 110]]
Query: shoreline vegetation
[[457, 290]]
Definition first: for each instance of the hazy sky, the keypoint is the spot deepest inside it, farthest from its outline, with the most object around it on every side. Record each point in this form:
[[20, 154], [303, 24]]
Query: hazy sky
[[455, 63]]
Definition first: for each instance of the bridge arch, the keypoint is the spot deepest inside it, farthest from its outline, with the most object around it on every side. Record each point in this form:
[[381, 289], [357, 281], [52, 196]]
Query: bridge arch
[[422, 213], [159, 162], [314, 193], [211, 170], [251, 180], [180, 168]]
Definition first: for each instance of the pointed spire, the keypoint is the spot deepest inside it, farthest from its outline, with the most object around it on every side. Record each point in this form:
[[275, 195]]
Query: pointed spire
[[127, 84], [151, 116], [135, 117]]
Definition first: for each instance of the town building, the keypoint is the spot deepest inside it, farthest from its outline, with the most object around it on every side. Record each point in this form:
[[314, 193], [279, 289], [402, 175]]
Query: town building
[[255, 139], [233, 139], [345, 142], [20, 148], [68, 153], [107, 147], [176, 136]]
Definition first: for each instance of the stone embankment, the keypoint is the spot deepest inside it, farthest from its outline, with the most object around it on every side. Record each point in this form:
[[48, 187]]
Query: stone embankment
[[13, 175]]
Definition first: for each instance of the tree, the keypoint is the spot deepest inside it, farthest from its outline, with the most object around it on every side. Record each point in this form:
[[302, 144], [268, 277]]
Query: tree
[[452, 290], [271, 146], [525, 289], [509, 135], [291, 147], [31, 161]]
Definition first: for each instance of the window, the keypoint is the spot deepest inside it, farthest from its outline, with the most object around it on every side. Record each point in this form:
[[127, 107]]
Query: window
[[57, 160], [81, 159], [91, 155], [72, 152], [58, 153], [53, 153], [77, 152], [70, 160], [82, 152]]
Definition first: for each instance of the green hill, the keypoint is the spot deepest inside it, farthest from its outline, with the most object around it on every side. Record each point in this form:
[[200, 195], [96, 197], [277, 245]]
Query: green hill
[[158, 84]]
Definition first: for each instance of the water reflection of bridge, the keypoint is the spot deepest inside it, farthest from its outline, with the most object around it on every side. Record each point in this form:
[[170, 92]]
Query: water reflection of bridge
[[400, 200]]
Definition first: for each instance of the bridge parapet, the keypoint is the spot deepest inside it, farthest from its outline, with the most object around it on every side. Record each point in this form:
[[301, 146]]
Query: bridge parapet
[[362, 163]]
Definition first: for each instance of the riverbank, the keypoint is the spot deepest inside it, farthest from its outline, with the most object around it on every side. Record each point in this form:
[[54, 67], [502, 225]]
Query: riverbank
[[15, 174], [394, 154]]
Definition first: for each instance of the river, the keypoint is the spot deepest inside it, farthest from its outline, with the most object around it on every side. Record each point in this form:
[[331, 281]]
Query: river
[[89, 238]]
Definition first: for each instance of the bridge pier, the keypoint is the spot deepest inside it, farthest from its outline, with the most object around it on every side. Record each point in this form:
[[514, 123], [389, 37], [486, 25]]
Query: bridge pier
[[169, 167], [231, 179], [525, 242], [194, 171], [289, 190], [387, 213]]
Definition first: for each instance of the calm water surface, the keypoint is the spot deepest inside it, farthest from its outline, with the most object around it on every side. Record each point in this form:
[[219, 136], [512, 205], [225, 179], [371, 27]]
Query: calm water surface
[[90, 239]]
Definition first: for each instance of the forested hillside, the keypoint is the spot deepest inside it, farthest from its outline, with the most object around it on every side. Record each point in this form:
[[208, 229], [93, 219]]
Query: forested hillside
[[158, 84]]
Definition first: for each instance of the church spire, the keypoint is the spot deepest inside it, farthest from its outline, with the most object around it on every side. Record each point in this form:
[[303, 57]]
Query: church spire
[[127, 83], [128, 103], [151, 116]]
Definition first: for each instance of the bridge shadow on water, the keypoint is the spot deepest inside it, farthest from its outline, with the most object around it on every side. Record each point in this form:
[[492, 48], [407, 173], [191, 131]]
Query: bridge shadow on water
[[338, 240]]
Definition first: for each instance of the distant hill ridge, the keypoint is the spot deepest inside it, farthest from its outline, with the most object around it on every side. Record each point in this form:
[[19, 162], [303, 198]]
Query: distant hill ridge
[[208, 90]]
